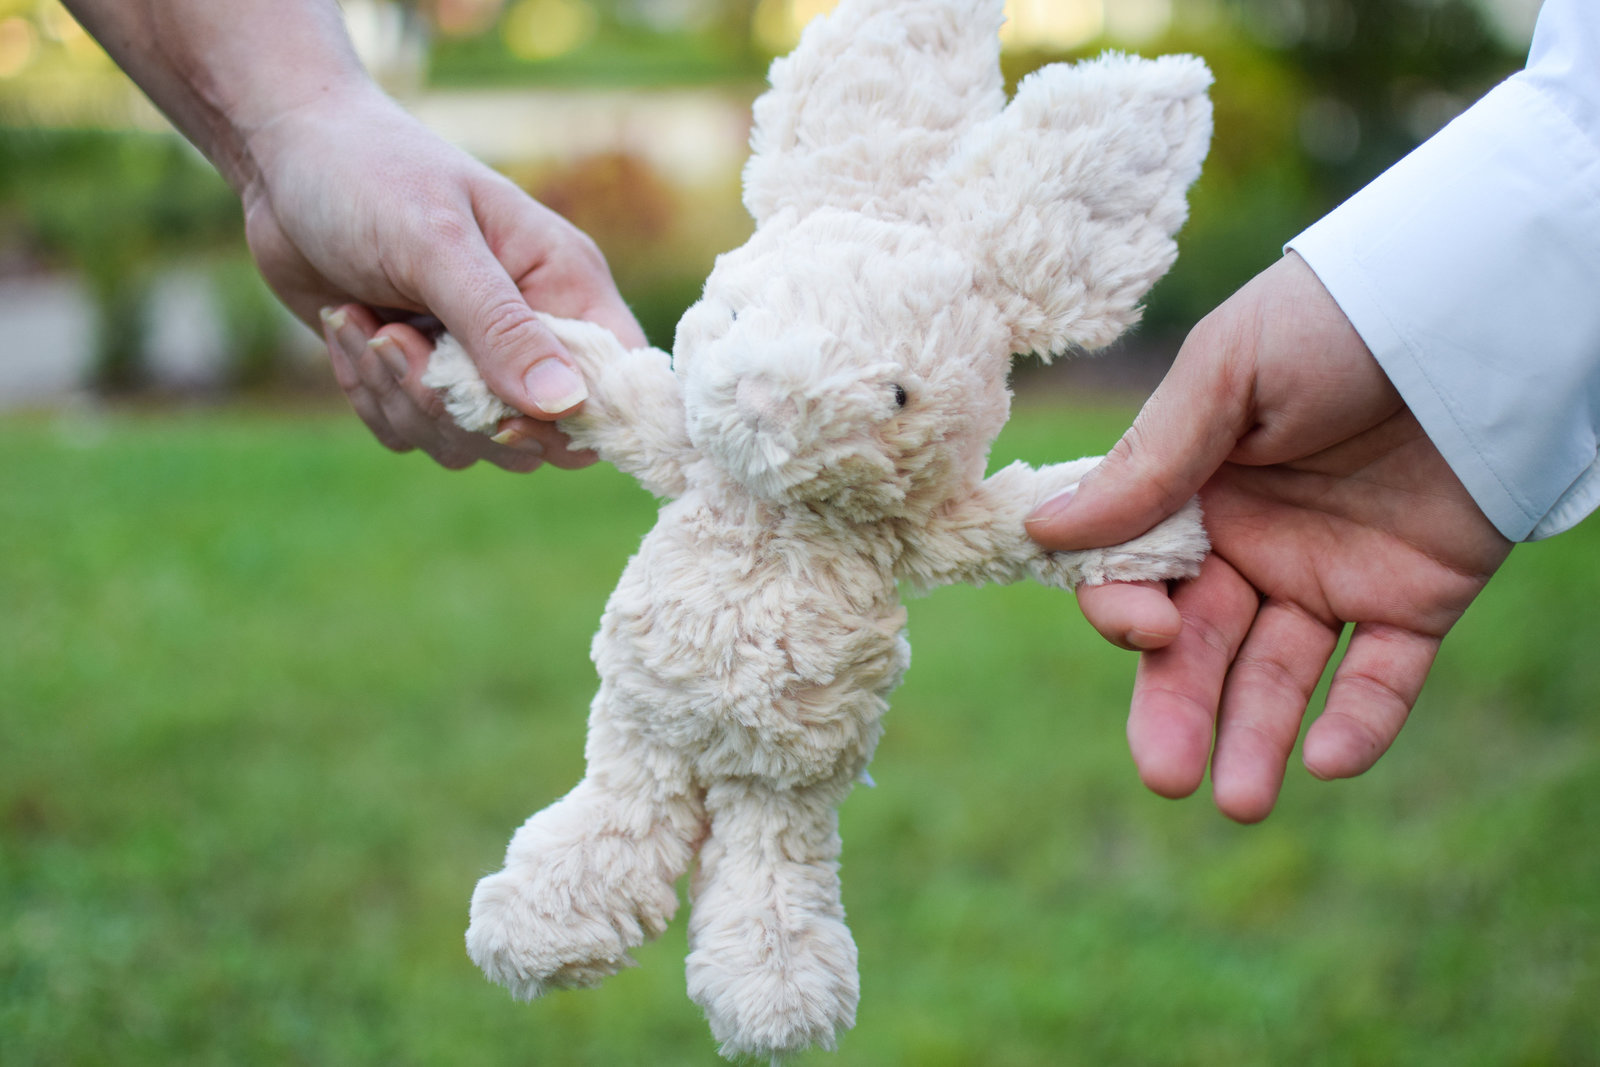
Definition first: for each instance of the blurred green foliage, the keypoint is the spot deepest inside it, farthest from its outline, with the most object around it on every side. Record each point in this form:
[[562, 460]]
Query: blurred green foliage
[[114, 208], [273, 700], [1313, 98]]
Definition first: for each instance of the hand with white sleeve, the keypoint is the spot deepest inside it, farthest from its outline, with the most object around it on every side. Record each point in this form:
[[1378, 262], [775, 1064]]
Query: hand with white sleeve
[[1371, 423], [1326, 506]]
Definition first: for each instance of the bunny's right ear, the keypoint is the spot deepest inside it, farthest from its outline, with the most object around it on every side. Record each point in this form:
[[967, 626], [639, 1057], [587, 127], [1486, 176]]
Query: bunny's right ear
[[1070, 197], [874, 98]]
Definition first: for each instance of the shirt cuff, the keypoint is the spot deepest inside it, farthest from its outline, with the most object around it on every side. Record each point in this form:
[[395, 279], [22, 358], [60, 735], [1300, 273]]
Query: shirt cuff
[[1471, 269]]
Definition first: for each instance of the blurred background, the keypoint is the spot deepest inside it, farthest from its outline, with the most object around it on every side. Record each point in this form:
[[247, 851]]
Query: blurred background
[[272, 698], [122, 265]]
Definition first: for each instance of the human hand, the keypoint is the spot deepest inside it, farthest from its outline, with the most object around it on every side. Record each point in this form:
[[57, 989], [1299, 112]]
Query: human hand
[[360, 217], [1326, 505]]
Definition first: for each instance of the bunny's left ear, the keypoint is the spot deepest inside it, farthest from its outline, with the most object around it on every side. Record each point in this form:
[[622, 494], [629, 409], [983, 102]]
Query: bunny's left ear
[[874, 98], [1070, 197]]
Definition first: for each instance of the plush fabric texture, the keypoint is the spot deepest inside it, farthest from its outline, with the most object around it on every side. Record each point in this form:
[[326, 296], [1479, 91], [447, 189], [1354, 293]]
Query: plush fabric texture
[[821, 434]]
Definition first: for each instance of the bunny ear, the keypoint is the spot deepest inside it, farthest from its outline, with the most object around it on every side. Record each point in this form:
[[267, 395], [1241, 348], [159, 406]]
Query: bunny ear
[[873, 99], [1071, 196]]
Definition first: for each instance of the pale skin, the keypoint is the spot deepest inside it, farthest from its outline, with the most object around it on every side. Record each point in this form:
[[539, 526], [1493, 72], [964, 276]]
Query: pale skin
[[1327, 506], [360, 218]]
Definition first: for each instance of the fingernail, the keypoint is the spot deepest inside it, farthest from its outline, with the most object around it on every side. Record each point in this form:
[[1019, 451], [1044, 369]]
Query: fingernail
[[553, 386], [1144, 641], [391, 355], [1053, 507], [333, 318]]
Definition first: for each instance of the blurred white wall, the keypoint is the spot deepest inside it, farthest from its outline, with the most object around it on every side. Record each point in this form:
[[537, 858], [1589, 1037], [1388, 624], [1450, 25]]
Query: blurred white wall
[[49, 340]]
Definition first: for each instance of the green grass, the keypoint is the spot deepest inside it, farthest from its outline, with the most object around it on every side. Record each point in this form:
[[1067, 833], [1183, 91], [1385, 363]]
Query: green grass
[[271, 699]]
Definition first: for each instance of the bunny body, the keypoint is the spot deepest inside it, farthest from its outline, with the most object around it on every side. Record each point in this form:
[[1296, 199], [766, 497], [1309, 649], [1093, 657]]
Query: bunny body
[[821, 434]]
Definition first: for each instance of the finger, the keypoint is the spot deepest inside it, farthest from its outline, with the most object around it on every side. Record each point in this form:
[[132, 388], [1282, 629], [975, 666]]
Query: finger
[[1372, 694], [346, 331], [566, 273], [520, 444], [568, 458], [519, 359], [1263, 702], [386, 370], [1181, 436], [544, 439], [1177, 688], [1132, 615]]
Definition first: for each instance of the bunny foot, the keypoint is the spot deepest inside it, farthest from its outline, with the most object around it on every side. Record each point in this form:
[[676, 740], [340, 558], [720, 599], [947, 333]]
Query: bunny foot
[[580, 889], [770, 987], [771, 962]]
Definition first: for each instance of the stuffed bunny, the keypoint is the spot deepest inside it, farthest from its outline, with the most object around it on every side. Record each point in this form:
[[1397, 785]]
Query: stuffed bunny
[[821, 432]]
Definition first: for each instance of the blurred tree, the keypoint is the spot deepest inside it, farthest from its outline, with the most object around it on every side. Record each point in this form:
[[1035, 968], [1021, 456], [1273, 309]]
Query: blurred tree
[[1380, 76], [112, 207], [1313, 98]]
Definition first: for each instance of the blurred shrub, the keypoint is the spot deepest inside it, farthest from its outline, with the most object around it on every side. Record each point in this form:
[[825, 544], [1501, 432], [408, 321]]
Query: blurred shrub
[[659, 237], [117, 209], [112, 208], [615, 197], [252, 320]]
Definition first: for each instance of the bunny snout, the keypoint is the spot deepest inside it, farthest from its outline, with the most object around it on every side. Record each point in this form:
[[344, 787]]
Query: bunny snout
[[764, 406]]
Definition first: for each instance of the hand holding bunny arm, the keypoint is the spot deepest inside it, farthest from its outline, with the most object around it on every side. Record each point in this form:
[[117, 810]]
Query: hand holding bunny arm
[[633, 418], [981, 539], [1464, 276], [351, 204], [1326, 506]]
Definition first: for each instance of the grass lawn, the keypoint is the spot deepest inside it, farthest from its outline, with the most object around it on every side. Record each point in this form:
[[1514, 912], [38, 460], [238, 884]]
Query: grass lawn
[[271, 700]]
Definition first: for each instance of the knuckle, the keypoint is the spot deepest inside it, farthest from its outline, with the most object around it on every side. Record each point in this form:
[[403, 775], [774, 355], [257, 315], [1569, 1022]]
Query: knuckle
[[1376, 693], [1269, 674], [441, 223], [1139, 455], [452, 458], [1210, 635], [503, 320]]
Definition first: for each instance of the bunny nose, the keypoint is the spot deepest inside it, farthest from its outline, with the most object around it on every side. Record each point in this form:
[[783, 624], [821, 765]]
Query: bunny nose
[[763, 406]]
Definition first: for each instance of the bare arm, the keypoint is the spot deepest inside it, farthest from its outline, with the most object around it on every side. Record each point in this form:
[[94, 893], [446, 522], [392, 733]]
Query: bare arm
[[351, 204], [222, 70]]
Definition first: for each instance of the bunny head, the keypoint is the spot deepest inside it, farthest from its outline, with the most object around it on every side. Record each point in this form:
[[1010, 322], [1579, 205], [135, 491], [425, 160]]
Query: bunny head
[[819, 367], [914, 231]]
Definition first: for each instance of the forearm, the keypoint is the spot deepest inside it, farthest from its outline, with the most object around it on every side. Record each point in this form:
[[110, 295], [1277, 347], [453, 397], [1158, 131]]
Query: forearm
[[223, 70]]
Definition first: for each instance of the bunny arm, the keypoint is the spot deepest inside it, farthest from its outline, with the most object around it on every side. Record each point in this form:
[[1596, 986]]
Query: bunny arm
[[981, 539], [633, 417]]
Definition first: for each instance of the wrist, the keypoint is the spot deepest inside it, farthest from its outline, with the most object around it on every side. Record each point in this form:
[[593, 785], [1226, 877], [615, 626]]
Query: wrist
[[269, 127], [252, 109], [223, 69]]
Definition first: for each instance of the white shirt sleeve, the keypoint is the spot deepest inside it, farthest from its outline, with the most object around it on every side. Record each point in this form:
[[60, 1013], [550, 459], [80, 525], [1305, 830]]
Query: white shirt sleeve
[[1471, 269]]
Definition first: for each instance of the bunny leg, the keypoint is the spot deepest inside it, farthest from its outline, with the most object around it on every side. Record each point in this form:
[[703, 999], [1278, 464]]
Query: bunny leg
[[772, 962], [585, 880]]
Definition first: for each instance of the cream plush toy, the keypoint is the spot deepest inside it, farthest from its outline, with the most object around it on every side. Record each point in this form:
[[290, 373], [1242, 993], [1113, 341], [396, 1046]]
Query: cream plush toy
[[821, 432]]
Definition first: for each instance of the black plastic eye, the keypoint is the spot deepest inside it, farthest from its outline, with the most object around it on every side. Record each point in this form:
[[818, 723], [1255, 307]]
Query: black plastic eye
[[900, 396]]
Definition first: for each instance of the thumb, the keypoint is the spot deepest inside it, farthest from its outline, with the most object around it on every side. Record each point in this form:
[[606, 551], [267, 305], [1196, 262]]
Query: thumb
[[519, 358], [1184, 432]]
